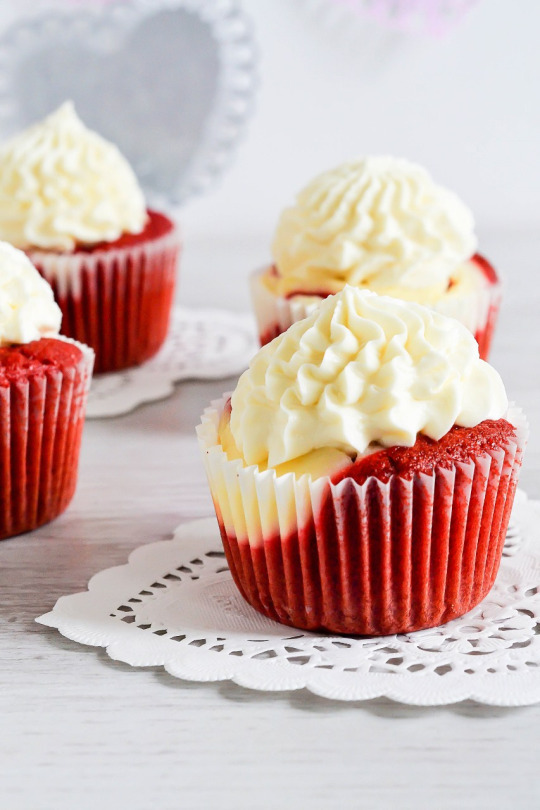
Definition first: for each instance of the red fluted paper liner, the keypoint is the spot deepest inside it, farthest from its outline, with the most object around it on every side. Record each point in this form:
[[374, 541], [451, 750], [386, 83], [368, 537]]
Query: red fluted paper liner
[[370, 559], [41, 422], [477, 310], [117, 301]]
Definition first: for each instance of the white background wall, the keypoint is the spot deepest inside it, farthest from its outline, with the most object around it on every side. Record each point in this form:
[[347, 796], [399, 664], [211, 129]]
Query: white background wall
[[465, 105]]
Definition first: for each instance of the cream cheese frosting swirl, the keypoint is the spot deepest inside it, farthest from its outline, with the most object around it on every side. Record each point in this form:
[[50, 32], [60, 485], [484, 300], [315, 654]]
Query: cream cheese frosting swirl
[[27, 307], [62, 185], [377, 221], [362, 369]]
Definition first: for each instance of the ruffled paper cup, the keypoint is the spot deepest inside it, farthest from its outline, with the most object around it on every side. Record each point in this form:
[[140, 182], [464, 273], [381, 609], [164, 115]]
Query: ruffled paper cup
[[117, 300], [478, 310], [371, 559], [275, 313], [41, 422]]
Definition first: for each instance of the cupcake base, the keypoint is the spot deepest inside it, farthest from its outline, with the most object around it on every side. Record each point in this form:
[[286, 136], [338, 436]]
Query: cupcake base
[[117, 297], [383, 576], [43, 391], [371, 559]]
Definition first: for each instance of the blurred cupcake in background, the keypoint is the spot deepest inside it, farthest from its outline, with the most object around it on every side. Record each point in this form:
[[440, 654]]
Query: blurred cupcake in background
[[44, 381], [70, 200], [364, 469], [377, 223]]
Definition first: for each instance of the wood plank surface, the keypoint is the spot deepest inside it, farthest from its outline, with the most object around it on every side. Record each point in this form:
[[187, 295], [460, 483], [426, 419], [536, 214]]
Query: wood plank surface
[[81, 731]]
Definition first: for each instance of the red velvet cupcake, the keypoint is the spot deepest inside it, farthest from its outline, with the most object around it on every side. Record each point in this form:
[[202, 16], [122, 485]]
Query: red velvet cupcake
[[73, 204], [380, 224], [117, 296], [44, 385], [364, 471]]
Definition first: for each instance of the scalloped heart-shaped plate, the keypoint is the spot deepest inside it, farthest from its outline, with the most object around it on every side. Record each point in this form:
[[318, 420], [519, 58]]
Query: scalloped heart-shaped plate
[[171, 82]]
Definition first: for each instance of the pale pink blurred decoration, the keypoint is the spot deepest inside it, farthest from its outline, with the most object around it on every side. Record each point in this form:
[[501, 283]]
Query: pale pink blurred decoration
[[435, 17], [31, 8], [80, 5]]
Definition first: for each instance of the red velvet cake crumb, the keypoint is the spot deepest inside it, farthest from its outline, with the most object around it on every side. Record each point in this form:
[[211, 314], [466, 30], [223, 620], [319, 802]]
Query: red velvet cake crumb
[[459, 444], [319, 293], [158, 225], [28, 359]]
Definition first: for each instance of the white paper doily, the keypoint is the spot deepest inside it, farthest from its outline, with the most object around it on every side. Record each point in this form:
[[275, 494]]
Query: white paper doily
[[175, 605], [203, 344]]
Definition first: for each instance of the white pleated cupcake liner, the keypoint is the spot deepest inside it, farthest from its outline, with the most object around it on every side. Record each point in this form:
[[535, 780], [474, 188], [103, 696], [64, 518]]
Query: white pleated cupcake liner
[[477, 311]]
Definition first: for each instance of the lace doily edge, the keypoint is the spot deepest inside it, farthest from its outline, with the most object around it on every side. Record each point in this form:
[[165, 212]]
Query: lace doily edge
[[503, 690], [164, 382], [163, 386]]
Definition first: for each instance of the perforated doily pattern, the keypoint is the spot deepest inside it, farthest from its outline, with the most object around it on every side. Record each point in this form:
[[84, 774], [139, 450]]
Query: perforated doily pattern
[[174, 604], [202, 344]]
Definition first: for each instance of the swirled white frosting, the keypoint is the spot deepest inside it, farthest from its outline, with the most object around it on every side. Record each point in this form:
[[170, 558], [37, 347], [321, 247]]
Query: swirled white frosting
[[62, 185], [380, 222], [27, 307], [362, 369]]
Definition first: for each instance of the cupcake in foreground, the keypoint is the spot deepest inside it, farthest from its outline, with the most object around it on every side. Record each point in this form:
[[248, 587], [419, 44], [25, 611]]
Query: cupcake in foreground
[[364, 469], [69, 199], [381, 224], [44, 382]]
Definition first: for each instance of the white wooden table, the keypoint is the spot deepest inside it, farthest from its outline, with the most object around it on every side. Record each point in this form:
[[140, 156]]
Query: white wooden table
[[80, 731]]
